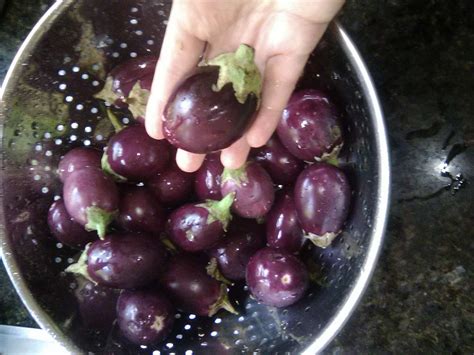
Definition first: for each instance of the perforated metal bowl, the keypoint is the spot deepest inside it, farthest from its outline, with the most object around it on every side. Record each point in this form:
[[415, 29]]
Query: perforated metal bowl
[[48, 107]]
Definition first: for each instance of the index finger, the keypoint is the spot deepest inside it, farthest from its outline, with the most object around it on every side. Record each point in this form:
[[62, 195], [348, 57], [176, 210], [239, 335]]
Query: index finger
[[179, 56]]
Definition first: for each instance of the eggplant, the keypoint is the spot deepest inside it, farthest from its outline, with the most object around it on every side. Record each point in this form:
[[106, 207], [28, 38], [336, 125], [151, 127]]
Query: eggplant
[[207, 183], [276, 278], [91, 199], [144, 317], [122, 260], [310, 126], [76, 159], [195, 227], [132, 155], [213, 108], [253, 189], [322, 197]]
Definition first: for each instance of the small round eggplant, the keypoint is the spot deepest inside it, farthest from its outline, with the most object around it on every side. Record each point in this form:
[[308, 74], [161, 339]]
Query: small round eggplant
[[212, 109], [309, 127], [208, 178], [76, 159], [122, 260], [276, 278], [192, 289], [195, 227], [173, 186], [253, 190], [97, 304], [232, 253], [144, 317], [322, 196], [132, 155], [283, 167], [91, 199], [127, 74], [140, 211], [283, 228], [65, 229], [129, 84]]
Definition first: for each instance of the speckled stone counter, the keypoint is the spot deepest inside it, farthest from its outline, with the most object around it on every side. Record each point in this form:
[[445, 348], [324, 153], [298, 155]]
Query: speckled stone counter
[[421, 56]]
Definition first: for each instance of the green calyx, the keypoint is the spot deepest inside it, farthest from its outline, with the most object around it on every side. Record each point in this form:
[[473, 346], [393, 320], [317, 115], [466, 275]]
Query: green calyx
[[239, 69], [104, 162], [98, 220], [80, 267], [322, 241], [219, 210], [332, 157], [212, 270], [222, 303], [118, 126], [239, 176], [137, 100]]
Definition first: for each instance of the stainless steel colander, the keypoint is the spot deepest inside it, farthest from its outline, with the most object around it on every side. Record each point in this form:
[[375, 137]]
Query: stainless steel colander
[[48, 107]]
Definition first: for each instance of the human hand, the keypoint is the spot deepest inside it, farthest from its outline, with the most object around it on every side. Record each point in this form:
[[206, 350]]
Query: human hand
[[283, 34]]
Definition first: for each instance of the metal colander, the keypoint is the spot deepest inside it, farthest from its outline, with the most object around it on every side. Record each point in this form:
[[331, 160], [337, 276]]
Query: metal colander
[[48, 108]]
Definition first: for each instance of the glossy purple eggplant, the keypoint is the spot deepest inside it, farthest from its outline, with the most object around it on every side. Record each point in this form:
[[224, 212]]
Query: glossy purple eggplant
[[322, 197], [127, 74], [97, 304], [172, 186], [122, 260], [195, 227], [276, 278], [232, 253], [144, 317], [310, 127], [77, 159], [192, 289], [132, 155], [129, 84], [140, 211], [280, 164], [253, 190], [65, 229], [211, 109], [283, 228], [207, 183], [91, 199]]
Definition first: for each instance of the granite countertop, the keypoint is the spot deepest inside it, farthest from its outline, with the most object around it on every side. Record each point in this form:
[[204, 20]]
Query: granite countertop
[[421, 57]]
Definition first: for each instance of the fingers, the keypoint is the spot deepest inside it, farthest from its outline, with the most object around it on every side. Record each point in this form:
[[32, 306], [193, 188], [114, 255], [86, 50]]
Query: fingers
[[189, 162], [280, 77], [179, 55], [236, 155]]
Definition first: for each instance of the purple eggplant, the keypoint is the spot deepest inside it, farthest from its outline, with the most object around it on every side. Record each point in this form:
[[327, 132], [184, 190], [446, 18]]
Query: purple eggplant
[[91, 199], [283, 228], [122, 260], [173, 186], [276, 278], [65, 229], [208, 178], [140, 211], [97, 304], [195, 227], [280, 164], [310, 127], [132, 155], [129, 84], [77, 159], [211, 109], [322, 196], [232, 253], [144, 316], [192, 289], [253, 190]]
